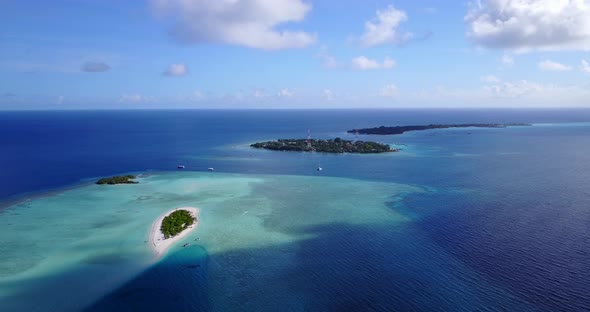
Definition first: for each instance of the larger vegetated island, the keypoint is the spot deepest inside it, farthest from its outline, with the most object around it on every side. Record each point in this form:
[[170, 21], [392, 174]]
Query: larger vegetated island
[[401, 129], [337, 145]]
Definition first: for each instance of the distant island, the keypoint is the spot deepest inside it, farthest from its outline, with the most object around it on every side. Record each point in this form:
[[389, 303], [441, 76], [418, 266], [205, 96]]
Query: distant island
[[401, 129], [127, 179], [337, 145]]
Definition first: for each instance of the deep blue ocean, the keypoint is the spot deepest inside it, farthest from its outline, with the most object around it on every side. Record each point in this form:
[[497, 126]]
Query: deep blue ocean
[[503, 223]]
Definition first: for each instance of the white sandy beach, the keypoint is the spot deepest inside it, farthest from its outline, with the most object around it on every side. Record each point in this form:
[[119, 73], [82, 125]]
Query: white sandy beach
[[156, 239]]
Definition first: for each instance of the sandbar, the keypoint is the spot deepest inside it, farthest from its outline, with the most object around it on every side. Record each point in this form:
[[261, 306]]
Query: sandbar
[[158, 243]]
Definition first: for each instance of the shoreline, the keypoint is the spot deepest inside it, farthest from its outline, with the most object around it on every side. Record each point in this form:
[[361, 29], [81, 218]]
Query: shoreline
[[158, 244]]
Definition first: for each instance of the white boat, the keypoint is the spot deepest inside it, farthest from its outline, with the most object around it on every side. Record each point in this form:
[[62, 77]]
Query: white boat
[[211, 169], [180, 166], [320, 168]]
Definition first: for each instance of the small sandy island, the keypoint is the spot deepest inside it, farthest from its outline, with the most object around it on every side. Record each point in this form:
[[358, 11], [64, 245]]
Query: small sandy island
[[157, 241]]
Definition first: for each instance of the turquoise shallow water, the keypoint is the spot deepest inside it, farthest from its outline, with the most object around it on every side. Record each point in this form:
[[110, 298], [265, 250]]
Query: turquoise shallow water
[[78, 237]]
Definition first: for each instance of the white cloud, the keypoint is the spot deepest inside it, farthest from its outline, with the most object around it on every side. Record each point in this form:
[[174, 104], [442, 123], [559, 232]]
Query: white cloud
[[364, 63], [285, 93], [517, 89], [383, 29], [253, 97], [388, 63], [95, 67], [430, 10], [532, 94], [444, 95], [525, 25], [176, 70], [260, 94], [328, 95], [501, 93], [548, 65], [237, 96], [513, 89], [328, 61], [390, 91], [585, 67], [490, 79], [507, 61], [135, 98], [250, 23], [197, 96]]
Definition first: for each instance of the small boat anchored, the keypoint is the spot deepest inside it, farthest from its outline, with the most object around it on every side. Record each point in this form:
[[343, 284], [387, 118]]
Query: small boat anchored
[[319, 168], [181, 166], [185, 244], [211, 169]]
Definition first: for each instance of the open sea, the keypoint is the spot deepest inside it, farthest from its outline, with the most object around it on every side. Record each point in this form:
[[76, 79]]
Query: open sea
[[466, 219]]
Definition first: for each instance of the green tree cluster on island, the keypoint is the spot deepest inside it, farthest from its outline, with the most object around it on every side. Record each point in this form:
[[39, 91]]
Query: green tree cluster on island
[[337, 145], [176, 222], [127, 179]]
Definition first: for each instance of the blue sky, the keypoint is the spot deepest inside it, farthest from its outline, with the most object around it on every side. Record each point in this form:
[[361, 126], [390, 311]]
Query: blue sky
[[95, 54]]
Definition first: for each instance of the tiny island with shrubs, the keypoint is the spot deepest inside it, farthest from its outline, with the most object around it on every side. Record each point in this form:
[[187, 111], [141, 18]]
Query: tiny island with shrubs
[[176, 222], [127, 179], [336, 145]]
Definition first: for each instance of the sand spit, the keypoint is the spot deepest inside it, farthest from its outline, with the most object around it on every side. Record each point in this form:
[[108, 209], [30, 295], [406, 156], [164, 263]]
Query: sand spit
[[157, 241]]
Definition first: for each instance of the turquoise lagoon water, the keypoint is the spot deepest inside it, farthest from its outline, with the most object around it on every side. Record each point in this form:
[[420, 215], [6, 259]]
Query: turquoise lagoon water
[[94, 237], [460, 220]]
